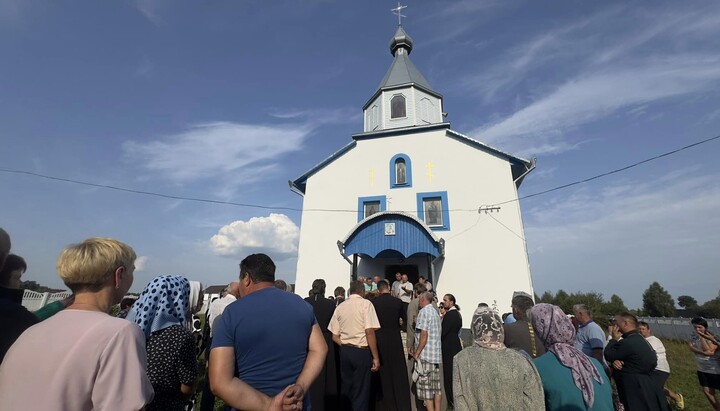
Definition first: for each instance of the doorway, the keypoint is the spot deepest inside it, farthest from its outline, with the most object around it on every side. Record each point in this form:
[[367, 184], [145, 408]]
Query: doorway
[[410, 269]]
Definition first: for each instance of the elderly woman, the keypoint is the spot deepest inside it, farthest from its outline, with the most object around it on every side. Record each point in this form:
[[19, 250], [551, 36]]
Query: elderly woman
[[570, 379], [488, 376], [82, 358], [161, 311]]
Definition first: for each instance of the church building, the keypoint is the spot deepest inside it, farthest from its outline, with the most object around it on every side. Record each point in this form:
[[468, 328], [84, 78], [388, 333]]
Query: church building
[[411, 195]]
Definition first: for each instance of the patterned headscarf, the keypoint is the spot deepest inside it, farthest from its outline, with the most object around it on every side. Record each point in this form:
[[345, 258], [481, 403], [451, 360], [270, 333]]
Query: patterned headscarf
[[558, 334], [163, 303], [487, 329]]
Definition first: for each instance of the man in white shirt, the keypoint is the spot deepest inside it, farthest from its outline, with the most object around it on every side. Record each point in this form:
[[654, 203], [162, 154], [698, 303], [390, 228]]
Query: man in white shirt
[[405, 295], [662, 370], [395, 288], [218, 306], [215, 311]]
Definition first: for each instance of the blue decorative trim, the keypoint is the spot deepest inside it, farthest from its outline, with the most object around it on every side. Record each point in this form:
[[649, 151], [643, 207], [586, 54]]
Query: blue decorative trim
[[363, 200], [408, 171], [442, 195], [411, 238]]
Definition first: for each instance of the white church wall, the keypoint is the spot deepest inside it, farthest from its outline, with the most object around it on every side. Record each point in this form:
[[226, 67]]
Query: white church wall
[[484, 262], [373, 115], [427, 107]]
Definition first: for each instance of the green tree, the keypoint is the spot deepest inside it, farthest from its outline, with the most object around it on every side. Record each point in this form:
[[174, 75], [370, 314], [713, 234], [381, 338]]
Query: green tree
[[562, 300], [685, 301], [657, 302], [547, 297], [33, 286], [614, 306], [710, 309]]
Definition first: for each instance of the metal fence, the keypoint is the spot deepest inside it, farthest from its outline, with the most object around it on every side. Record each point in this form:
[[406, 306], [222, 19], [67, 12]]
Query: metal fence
[[34, 301], [677, 328]]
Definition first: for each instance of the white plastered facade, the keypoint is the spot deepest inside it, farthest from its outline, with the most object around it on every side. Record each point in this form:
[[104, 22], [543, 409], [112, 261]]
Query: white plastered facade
[[484, 261]]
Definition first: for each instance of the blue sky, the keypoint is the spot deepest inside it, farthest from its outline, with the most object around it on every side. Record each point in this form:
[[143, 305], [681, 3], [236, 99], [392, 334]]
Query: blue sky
[[228, 100]]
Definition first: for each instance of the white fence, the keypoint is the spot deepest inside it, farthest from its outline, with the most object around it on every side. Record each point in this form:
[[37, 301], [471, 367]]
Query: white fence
[[677, 328], [34, 301]]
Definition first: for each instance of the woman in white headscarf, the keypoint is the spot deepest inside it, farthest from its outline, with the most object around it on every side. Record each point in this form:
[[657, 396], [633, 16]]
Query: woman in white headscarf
[[488, 376]]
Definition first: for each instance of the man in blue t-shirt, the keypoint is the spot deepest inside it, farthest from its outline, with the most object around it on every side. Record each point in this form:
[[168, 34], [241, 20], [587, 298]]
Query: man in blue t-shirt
[[590, 338], [267, 348]]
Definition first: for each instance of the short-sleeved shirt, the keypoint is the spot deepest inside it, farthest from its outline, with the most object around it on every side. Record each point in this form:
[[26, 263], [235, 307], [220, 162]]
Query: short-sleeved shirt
[[369, 288], [659, 347], [406, 287], [706, 364], [429, 320], [216, 309], [77, 360], [589, 337], [352, 318], [396, 288], [269, 330], [171, 362]]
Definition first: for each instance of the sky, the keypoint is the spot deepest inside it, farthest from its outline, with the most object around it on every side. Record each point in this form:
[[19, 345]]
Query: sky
[[229, 100]]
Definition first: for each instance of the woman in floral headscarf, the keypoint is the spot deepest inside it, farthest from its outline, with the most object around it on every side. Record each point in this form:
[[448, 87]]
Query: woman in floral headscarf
[[571, 379], [488, 376], [161, 312]]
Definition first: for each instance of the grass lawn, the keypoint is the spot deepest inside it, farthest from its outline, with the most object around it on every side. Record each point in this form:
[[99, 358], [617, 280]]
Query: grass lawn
[[683, 377]]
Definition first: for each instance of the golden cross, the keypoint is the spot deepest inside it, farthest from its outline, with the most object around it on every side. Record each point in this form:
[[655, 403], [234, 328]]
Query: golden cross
[[372, 177], [429, 167]]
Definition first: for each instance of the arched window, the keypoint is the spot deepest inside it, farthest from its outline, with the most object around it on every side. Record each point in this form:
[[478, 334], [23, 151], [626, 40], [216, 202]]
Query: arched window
[[397, 107], [400, 171]]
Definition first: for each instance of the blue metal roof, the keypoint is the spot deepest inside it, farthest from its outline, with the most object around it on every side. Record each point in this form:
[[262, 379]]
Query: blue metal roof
[[411, 237]]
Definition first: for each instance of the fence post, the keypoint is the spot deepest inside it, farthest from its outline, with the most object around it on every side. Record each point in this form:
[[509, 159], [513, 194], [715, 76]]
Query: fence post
[[45, 297]]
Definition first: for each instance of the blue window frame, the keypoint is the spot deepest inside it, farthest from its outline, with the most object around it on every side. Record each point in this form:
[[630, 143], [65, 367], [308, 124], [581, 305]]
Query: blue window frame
[[368, 206], [432, 209], [400, 171]]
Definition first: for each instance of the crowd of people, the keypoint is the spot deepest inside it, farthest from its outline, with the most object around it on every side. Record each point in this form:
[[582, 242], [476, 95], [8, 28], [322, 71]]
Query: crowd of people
[[268, 349]]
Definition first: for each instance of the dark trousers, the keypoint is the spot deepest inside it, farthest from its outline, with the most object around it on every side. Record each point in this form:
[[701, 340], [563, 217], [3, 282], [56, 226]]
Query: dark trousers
[[207, 402], [405, 317], [355, 365], [660, 378]]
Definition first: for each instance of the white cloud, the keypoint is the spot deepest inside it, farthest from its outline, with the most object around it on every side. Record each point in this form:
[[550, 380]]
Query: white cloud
[[141, 262], [275, 235], [209, 150], [569, 76], [320, 116], [634, 232], [541, 125]]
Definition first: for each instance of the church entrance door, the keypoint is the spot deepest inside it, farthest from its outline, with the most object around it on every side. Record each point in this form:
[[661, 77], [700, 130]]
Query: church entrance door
[[410, 269]]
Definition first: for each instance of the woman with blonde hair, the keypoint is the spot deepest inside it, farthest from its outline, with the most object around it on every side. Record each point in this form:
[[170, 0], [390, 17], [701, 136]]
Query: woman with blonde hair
[[82, 358]]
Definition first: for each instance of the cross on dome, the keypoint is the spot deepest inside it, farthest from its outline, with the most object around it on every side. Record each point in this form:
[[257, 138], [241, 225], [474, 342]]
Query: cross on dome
[[398, 12]]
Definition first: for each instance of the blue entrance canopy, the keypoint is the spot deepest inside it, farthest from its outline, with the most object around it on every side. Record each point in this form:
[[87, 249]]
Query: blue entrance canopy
[[381, 233]]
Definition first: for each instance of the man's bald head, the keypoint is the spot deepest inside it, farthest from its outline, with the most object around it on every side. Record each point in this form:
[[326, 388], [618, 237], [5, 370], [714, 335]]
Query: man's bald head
[[234, 289], [4, 246]]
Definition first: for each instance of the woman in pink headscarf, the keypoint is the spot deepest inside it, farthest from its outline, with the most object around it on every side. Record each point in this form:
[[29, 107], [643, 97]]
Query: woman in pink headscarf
[[570, 379]]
